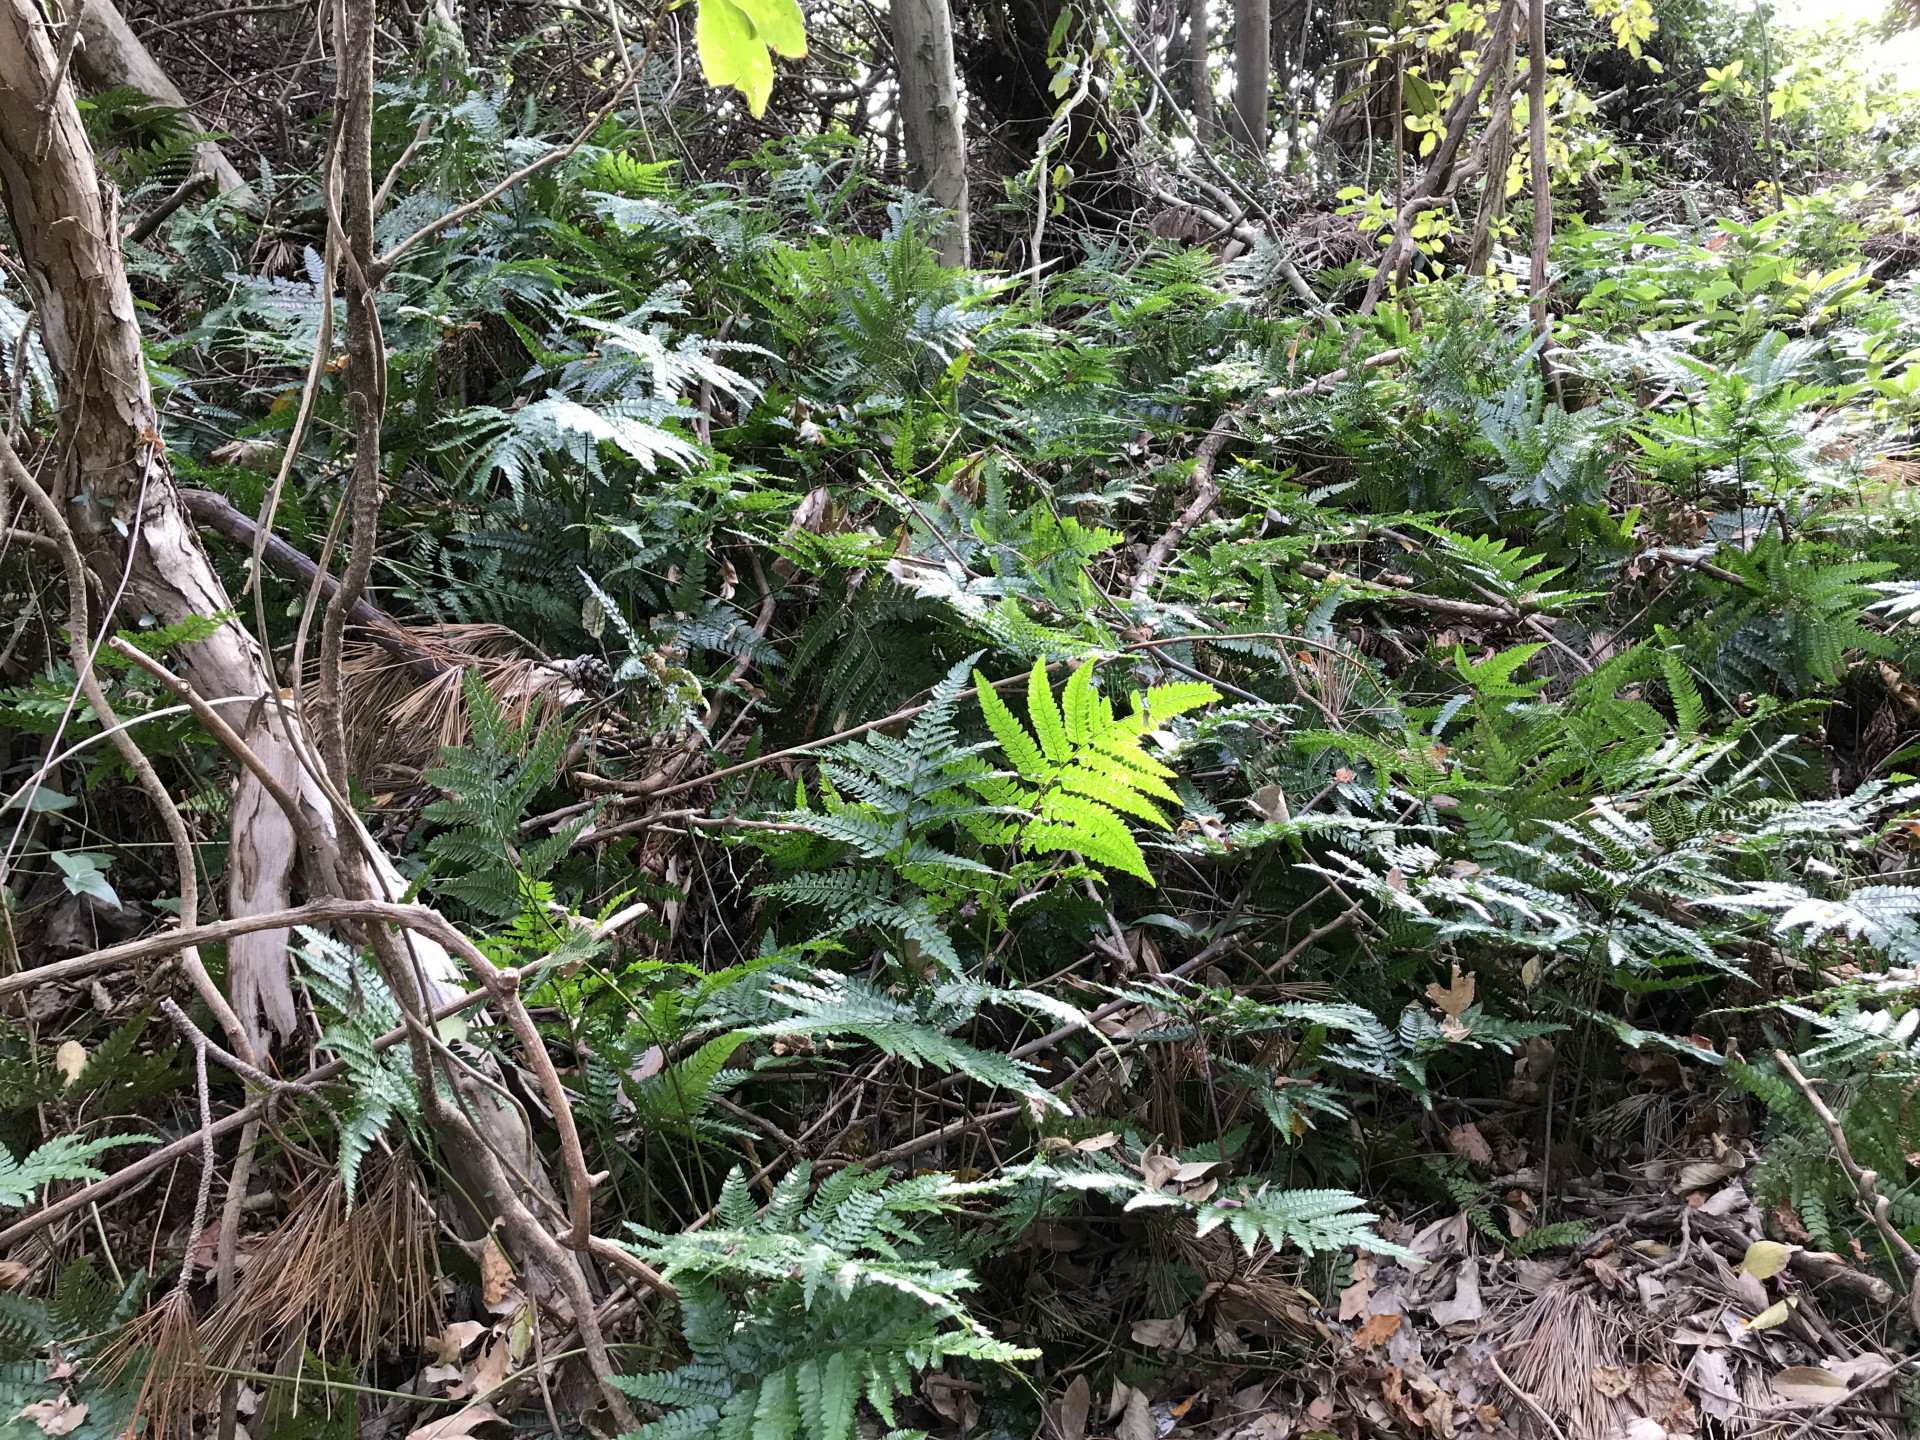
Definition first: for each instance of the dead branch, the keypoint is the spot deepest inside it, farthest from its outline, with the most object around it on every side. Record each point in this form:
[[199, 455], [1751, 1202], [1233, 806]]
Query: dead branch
[[1865, 1183]]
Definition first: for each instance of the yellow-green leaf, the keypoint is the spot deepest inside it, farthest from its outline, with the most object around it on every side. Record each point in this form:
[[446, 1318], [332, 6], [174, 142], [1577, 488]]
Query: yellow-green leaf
[[778, 25], [1774, 1314], [732, 54], [1767, 1258]]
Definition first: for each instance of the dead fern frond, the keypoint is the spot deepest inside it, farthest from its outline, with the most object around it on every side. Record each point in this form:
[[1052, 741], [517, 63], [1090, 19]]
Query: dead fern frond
[[395, 720], [356, 1283]]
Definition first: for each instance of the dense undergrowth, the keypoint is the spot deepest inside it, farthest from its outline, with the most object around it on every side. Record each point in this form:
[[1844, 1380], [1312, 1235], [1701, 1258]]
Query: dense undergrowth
[[1516, 753]]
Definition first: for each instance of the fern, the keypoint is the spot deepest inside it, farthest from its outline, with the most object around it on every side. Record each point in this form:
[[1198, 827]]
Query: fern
[[485, 789], [1080, 769], [795, 1315], [843, 1005], [65, 1157], [379, 1085]]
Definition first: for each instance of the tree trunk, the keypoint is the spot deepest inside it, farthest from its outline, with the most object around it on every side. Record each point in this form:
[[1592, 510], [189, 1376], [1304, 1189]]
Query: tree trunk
[[1252, 62], [110, 55], [111, 475], [1206, 125], [929, 106], [1542, 180], [1496, 149]]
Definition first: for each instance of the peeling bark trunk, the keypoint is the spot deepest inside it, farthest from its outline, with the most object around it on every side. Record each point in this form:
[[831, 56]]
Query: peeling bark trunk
[[110, 54], [110, 470], [112, 478]]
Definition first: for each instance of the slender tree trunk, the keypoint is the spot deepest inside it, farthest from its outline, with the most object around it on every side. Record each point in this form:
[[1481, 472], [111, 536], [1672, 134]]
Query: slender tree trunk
[[1252, 73], [930, 114], [1496, 148], [1206, 124], [109, 465], [110, 55], [1542, 180]]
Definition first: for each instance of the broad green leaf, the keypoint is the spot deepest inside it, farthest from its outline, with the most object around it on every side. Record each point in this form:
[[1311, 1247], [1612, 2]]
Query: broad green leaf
[[732, 54], [778, 25]]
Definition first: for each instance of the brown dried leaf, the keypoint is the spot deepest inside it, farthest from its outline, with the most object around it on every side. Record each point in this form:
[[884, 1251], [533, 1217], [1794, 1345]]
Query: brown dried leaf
[[446, 1347], [1074, 1408], [496, 1274], [475, 1421], [1377, 1330], [1353, 1299], [489, 1368], [13, 1274], [1468, 1141], [55, 1417], [1808, 1384], [1137, 1422], [1612, 1381], [1157, 1169], [1456, 997]]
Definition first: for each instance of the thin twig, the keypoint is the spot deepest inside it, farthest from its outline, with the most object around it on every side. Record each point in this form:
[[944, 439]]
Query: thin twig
[[1525, 1399]]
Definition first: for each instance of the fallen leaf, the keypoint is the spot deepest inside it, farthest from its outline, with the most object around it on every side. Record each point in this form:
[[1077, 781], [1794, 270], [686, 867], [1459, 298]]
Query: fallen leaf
[[1774, 1315], [1074, 1408], [13, 1274], [1158, 1169], [1321, 1410], [1455, 997], [489, 1367], [1488, 1416], [1376, 1330], [1194, 1170], [1117, 1400], [472, 1420], [1137, 1422], [1097, 1142], [1353, 1299], [1529, 978], [1606, 1274], [70, 1059], [445, 1348], [1465, 1305], [1652, 1249], [953, 1402], [496, 1274], [1702, 1173], [1468, 1141], [1269, 802], [59, 1416], [1808, 1385], [1611, 1381], [1767, 1258], [1160, 1334]]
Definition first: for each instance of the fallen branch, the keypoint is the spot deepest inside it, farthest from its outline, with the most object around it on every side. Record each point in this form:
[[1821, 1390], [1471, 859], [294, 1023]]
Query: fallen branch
[[156, 217], [1865, 1183], [1206, 490], [215, 513]]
